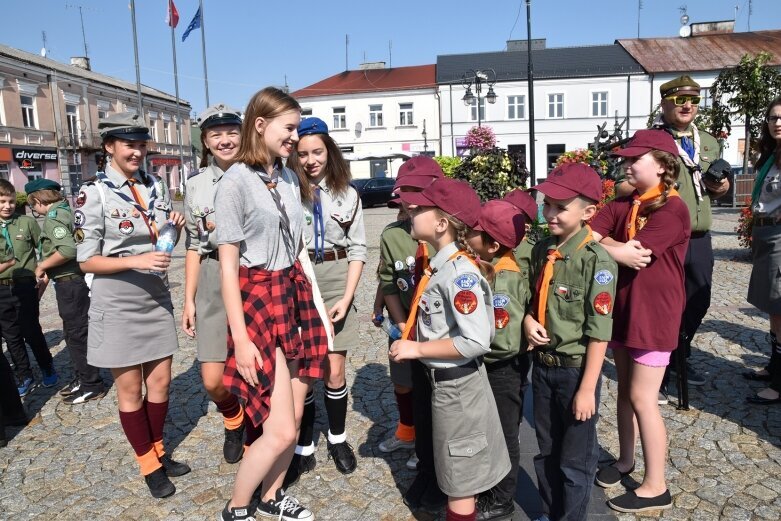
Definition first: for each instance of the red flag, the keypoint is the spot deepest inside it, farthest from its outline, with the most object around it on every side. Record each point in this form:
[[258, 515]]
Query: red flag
[[173, 15]]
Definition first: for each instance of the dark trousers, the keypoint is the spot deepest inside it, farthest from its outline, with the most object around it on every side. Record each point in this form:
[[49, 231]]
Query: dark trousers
[[73, 305], [508, 380], [421, 409], [15, 316], [567, 462], [698, 274], [10, 403]]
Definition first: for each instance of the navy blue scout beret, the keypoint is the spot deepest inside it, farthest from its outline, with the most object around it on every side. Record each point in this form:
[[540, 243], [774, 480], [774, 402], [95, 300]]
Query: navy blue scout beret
[[310, 126]]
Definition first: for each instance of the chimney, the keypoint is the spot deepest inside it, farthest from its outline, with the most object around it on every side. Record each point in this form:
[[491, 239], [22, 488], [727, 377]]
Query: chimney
[[371, 65], [81, 62]]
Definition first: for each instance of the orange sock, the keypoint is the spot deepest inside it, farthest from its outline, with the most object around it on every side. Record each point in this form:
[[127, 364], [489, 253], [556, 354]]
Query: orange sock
[[405, 432], [149, 462], [159, 450], [236, 422]]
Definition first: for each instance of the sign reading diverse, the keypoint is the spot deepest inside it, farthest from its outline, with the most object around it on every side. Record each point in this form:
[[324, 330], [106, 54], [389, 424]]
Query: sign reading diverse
[[35, 154]]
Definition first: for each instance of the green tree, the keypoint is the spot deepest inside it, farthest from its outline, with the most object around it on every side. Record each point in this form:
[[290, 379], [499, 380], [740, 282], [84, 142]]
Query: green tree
[[743, 93]]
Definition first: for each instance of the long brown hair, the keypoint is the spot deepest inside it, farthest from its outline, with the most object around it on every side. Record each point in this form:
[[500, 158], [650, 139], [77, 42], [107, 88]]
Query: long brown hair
[[767, 144], [461, 229], [267, 104], [670, 165], [337, 171]]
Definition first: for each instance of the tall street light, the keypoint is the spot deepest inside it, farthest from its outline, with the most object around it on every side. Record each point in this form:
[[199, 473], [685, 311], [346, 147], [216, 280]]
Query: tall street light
[[530, 82], [476, 79], [425, 138]]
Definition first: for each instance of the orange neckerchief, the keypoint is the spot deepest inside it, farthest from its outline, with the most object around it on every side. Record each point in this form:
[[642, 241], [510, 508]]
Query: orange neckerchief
[[543, 284], [149, 224], [507, 262], [409, 326], [637, 202]]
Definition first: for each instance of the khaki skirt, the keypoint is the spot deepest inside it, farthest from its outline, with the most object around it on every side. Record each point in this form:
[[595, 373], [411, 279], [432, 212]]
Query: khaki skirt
[[131, 320], [764, 288], [331, 279], [211, 322]]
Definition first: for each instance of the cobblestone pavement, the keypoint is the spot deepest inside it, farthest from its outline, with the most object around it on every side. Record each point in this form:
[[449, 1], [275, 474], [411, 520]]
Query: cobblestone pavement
[[74, 463]]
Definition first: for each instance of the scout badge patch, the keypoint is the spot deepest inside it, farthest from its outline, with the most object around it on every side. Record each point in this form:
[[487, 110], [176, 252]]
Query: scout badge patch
[[603, 277], [81, 199], [603, 303], [126, 227], [60, 232], [79, 219], [465, 301], [466, 281], [501, 316]]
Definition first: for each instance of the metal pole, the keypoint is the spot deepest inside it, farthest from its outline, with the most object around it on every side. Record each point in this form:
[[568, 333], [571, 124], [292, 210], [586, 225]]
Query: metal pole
[[203, 49], [135, 51], [477, 91], [178, 114], [530, 74], [83, 35]]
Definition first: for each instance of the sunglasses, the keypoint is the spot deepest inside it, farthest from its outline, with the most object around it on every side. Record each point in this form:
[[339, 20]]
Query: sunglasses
[[680, 101]]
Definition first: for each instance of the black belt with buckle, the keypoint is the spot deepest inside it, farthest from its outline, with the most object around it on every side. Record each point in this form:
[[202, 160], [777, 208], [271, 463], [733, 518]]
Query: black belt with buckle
[[66, 278], [214, 254], [554, 360], [331, 255], [765, 221], [454, 373], [6, 282]]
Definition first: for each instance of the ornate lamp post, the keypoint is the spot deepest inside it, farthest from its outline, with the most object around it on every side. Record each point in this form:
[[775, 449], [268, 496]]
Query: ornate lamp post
[[425, 137], [477, 79]]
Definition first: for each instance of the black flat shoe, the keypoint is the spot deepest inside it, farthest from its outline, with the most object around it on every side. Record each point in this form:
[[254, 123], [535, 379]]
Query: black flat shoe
[[756, 377], [173, 468], [758, 400], [233, 446], [610, 476], [631, 502], [343, 456], [159, 484]]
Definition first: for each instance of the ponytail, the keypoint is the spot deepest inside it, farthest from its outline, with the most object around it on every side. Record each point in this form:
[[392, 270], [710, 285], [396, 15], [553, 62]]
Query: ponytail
[[670, 165], [486, 269]]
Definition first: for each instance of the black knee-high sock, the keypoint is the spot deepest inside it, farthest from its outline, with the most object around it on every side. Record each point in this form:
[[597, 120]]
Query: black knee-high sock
[[304, 447], [336, 406]]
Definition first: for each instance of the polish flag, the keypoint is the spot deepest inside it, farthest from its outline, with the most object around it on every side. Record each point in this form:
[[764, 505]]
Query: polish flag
[[172, 19]]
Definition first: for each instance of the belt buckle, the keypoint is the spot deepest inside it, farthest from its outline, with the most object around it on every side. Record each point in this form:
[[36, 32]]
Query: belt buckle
[[548, 359]]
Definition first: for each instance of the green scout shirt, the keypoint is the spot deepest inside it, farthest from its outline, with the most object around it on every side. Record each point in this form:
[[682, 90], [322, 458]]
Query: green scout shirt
[[699, 211], [57, 235], [397, 261], [24, 233], [580, 303], [509, 301], [523, 256]]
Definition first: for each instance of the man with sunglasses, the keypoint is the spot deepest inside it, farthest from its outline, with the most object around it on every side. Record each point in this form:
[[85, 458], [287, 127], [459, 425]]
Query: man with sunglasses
[[696, 151]]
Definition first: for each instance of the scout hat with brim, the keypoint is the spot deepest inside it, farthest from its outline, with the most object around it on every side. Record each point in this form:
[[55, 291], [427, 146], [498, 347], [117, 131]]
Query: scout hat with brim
[[418, 172], [219, 114], [646, 140], [453, 197], [523, 201], [125, 126], [41, 184], [570, 180], [680, 84], [503, 221]]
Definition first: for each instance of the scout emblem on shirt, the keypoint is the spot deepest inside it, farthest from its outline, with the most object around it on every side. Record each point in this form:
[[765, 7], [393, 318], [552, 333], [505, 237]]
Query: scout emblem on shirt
[[603, 303], [603, 277], [411, 262], [81, 199], [426, 319], [641, 222], [466, 281], [59, 232], [501, 316], [126, 227], [402, 284], [465, 302], [79, 219], [398, 265], [78, 235]]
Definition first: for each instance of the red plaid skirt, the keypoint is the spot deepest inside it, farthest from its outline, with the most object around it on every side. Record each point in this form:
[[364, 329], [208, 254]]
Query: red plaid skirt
[[276, 305]]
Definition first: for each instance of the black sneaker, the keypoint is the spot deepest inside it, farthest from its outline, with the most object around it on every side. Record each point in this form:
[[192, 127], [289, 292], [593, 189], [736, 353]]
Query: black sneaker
[[72, 388], [631, 502], [159, 484], [233, 447], [285, 508], [236, 513], [488, 508], [80, 397], [693, 377], [298, 465], [610, 476], [173, 468], [343, 456]]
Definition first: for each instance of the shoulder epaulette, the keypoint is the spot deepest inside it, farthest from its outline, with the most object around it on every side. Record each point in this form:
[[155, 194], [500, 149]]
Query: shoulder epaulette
[[601, 253]]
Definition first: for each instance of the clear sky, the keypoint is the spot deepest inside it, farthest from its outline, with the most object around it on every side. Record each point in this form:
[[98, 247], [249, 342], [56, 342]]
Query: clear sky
[[254, 43]]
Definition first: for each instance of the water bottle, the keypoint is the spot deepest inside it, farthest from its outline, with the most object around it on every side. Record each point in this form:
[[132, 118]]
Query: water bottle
[[387, 325], [166, 240]]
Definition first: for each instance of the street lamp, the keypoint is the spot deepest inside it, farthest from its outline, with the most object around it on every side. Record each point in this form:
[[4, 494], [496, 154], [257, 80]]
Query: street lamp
[[425, 137], [477, 78]]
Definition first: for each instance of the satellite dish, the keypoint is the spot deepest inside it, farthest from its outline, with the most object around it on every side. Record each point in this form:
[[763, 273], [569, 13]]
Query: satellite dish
[[43, 52], [685, 31]]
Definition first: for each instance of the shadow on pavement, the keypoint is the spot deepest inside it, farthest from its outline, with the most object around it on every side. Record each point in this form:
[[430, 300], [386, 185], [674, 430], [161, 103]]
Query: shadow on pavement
[[188, 403]]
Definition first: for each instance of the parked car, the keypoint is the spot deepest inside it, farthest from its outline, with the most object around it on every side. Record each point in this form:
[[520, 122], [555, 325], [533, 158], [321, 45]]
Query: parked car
[[739, 187], [374, 191]]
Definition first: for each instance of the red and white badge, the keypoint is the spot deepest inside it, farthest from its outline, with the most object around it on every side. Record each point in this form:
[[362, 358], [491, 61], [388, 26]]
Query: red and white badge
[[81, 199], [603, 303], [126, 227], [465, 302], [501, 318]]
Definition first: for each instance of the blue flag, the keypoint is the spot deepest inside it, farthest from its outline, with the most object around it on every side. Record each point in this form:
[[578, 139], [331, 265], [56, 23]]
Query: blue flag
[[194, 24]]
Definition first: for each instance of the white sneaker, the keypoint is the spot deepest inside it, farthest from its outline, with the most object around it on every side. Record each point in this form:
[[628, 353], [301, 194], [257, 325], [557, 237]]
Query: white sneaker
[[663, 398], [412, 462], [394, 444]]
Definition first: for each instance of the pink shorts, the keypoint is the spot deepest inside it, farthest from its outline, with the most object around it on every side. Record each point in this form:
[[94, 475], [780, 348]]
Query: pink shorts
[[648, 357]]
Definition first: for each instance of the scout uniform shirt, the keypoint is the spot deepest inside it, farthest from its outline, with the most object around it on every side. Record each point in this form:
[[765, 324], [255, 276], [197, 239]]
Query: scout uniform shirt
[[21, 235], [581, 293], [199, 212], [397, 261], [510, 295], [338, 222], [108, 220], [456, 304], [57, 236]]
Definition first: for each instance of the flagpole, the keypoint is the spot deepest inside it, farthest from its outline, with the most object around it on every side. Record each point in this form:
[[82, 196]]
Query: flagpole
[[138, 69], [178, 113], [203, 47]]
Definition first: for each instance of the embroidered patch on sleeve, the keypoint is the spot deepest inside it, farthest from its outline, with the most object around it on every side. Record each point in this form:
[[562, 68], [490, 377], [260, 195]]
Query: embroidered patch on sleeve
[[603, 303], [465, 302]]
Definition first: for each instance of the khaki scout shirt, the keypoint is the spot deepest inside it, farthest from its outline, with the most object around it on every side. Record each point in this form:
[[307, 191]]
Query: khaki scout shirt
[[523, 256], [108, 225], [699, 211], [397, 261], [509, 300], [343, 222], [57, 236], [199, 210], [581, 295], [25, 234], [456, 304]]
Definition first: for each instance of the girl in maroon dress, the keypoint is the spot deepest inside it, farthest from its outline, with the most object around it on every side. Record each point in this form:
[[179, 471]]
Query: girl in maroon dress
[[647, 234]]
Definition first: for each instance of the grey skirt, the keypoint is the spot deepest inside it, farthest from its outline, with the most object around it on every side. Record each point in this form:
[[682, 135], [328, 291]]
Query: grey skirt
[[131, 320], [331, 278], [470, 453], [764, 288], [211, 322]]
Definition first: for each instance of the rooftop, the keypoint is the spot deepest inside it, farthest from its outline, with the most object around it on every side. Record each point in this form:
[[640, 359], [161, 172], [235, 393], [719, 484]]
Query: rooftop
[[372, 80]]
